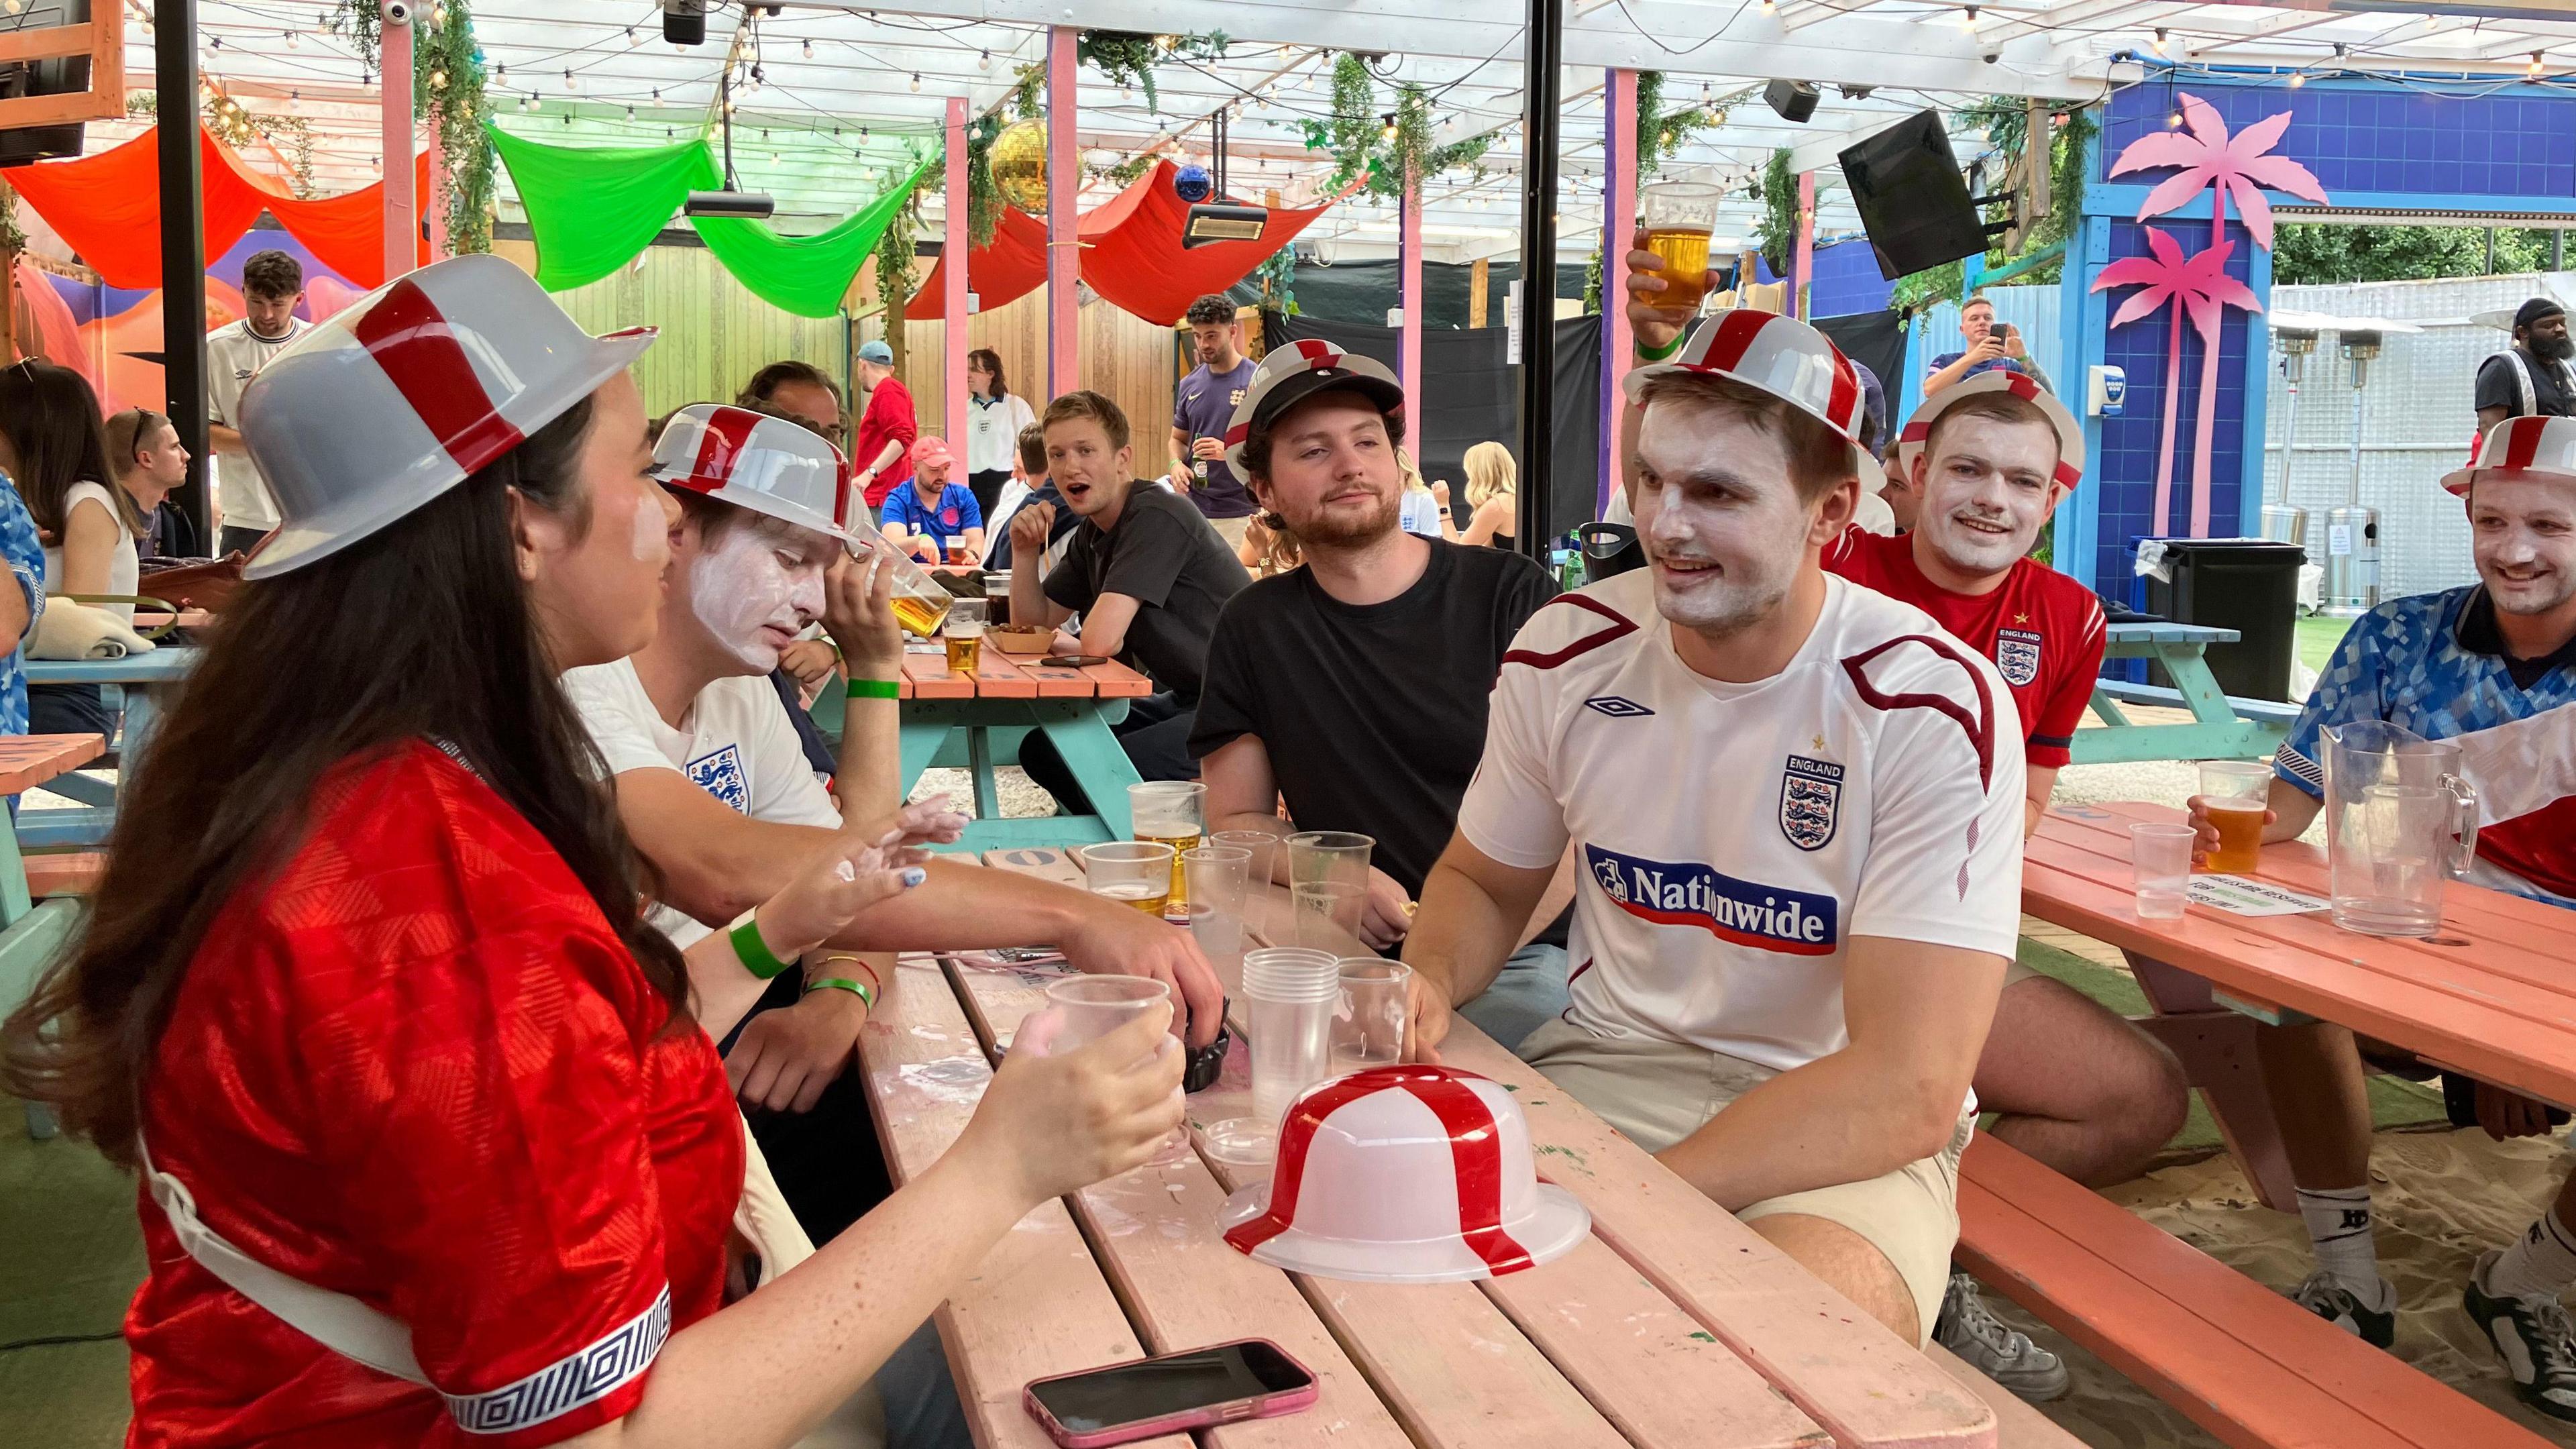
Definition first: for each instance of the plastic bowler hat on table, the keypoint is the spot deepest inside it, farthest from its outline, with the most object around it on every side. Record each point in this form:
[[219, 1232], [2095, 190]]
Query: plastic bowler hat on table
[[1419, 1174], [414, 386], [751, 460]]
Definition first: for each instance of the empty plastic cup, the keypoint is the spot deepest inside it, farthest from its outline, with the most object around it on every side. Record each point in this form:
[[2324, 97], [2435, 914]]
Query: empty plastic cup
[[1262, 844], [1370, 1021], [1081, 1010], [1218, 878], [2161, 857], [1328, 914]]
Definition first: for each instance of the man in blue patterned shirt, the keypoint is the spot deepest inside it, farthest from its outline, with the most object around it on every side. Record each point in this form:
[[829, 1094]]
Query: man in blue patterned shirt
[[2491, 667], [19, 607]]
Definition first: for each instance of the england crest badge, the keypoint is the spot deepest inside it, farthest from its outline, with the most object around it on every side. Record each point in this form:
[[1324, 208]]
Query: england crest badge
[[1811, 793], [2017, 656]]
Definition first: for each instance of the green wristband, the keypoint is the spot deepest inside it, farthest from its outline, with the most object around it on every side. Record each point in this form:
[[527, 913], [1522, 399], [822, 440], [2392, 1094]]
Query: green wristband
[[843, 983], [1666, 352], [875, 689], [753, 952]]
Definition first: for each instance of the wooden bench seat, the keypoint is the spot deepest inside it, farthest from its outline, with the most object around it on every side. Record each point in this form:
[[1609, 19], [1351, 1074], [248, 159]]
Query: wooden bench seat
[[2262, 711], [2017, 1425], [2243, 1362], [65, 873]]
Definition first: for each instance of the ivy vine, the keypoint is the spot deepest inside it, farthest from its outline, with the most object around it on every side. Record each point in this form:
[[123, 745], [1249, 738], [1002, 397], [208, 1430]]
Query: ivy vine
[[1278, 277], [447, 89], [983, 196], [13, 240], [1028, 89], [1777, 231], [1661, 134], [897, 274], [1129, 56], [238, 128], [1383, 146]]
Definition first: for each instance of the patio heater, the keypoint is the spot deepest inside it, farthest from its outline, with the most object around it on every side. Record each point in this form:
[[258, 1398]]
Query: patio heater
[[2352, 531], [2282, 522]]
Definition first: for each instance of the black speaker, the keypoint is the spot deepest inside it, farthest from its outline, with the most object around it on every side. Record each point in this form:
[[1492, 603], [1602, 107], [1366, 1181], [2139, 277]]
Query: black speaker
[[68, 75], [684, 22], [1795, 100]]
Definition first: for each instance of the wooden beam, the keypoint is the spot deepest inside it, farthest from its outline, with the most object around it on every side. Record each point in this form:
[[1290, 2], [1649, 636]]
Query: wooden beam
[[1479, 281], [401, 207]]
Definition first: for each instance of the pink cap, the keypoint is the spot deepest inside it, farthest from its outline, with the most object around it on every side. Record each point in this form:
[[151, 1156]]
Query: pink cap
[[931, 450]]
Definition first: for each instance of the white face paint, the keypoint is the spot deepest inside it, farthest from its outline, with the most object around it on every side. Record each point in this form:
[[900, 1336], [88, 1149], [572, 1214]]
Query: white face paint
[[1987, 487], [2522, 534], [1723, 527], [755, 591]]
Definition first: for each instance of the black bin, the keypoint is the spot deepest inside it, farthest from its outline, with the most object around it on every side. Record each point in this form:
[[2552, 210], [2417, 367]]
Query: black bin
[[2250, 585]]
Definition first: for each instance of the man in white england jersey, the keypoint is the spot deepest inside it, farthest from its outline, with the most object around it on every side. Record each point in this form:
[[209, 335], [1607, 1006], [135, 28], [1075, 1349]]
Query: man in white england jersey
[[1798, 807]]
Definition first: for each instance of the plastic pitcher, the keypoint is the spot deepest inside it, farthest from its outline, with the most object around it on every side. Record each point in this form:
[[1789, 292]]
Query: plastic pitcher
[[2401, 823]]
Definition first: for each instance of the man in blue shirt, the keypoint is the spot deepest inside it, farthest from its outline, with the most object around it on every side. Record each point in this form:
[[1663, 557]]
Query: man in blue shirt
[[1990, 347], [1202, 408], [928, 511]]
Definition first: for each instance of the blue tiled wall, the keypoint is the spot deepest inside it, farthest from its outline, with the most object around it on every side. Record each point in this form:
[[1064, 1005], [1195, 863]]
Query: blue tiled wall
[[2362, 137], [2124, 468]]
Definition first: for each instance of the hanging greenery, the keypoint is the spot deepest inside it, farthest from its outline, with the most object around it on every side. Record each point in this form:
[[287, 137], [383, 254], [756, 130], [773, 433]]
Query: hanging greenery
[[447, 90], [13, 240], [1777, 231], [1028, 92], [228, 122], [1278, 278], [1124, 173], [1660, 133], [897, 273], [983, 198], [1129, 56], [1358, 137]]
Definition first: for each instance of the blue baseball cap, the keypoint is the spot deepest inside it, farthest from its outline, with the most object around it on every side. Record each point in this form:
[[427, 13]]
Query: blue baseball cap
[[876, 352]]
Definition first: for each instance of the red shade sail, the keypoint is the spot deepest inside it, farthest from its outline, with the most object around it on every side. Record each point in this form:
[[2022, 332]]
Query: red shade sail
[[1131, 254], [107, 208]]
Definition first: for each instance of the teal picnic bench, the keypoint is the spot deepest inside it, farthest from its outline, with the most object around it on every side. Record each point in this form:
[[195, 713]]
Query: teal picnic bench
[[36, 923], [2223, 726]]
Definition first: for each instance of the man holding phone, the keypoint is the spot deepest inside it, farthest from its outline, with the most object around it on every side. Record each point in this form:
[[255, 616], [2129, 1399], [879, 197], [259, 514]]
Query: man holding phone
[[1992, 347]]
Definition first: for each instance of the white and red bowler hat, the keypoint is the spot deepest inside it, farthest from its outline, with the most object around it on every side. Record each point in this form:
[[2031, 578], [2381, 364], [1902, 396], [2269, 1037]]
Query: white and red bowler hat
[[2540, 446], [398, 398], [1297, 371], [1778, 355], [1416, 1174], [752, 460], [2070, 433]]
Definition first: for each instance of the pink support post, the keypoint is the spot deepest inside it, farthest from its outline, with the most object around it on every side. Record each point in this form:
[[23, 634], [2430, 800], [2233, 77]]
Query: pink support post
[[1802, 269], [952, 253], [1619, 223], [402, 212], [1064, 254], [1409, 344], [437, 202]]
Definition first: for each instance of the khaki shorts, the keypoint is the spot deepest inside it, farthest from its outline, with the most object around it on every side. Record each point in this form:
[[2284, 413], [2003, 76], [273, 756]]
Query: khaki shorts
[[1231, 530], [2016, 973], [1657, 1093]]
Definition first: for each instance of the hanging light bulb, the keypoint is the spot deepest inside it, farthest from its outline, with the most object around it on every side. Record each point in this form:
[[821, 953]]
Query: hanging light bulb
[[2174, 121], [916, 82], [500, 74], [1389, 133], [809, 50], [2160, 40], [2535, 63], [295, 99], [1968, 19], [438, 80], [528, 102], [293, 40], [984, 61], [571, 81], [1770, 7], [657, 98], [630, 112], [2298, 78]]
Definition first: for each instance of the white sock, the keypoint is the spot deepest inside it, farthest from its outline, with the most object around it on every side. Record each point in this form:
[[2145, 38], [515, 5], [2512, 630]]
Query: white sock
[[2338, 1221], [2540, 1264]]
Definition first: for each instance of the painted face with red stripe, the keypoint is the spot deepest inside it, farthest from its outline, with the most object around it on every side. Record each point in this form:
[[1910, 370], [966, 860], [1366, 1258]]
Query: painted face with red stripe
[[1724, 528], [1986, 485], [2522, 533]]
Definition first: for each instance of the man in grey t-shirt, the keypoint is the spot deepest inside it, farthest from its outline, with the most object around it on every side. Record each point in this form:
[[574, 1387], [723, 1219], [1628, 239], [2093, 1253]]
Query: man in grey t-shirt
[[1202, 407]]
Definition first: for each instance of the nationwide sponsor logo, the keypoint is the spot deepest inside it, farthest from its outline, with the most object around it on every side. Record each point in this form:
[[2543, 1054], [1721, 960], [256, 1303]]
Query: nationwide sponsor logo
[[2017, 655], [1687, 893], [720, 774], [1811, 793], [1616, 707]]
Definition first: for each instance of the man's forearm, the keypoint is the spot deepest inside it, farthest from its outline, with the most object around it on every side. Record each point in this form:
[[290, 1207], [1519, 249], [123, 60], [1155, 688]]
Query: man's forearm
[[1837, 1119], [1461, 935], [886, 456], [1552, 904], [222, 439], [1268, 824], [1029, 603], [2293, 811], [1946, 376], [967, 907], [871, 759]]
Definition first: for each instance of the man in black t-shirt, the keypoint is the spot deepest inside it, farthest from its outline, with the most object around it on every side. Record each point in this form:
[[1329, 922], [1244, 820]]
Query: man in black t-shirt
[[2532, 376], [1356, 686], [1144, 570]]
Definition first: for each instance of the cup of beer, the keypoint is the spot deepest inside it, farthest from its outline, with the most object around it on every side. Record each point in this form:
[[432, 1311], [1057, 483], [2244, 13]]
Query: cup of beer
[[1173, 813], [957, 549], [2233, 792], [964, 635], [1135, 872], [1677, 217]]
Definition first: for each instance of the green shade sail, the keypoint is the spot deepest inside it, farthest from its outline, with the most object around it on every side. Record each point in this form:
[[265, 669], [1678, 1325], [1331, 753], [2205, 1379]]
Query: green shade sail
[[593, 208]]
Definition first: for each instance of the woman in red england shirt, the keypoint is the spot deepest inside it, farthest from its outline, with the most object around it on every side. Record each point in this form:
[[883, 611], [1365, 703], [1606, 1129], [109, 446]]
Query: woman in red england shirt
[[368, 995]]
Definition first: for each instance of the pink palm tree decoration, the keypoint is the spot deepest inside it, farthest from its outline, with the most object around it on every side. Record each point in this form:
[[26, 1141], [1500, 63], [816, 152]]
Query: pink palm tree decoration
[[2241, 165], [2197, 285]]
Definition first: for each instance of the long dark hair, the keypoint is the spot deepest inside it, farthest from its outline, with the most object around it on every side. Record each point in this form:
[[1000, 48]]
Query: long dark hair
[[991, 361], [51, 417], [422, 632]]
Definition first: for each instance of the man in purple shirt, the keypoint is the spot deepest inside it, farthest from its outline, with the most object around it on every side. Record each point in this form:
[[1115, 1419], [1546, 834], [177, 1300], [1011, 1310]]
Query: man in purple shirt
[[1202, 407]]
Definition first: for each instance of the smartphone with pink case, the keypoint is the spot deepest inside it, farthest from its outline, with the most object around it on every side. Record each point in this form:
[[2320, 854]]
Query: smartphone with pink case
[[1122, 1403]]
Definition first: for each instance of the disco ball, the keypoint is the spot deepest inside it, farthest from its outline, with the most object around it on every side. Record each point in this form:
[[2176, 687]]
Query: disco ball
[[1019, 166], [1193, 184]]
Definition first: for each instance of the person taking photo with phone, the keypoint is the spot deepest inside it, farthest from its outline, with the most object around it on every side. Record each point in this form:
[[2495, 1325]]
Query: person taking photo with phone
[[1992, 347]]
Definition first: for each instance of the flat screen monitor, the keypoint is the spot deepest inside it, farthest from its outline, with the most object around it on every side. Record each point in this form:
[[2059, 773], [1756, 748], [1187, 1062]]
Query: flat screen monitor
[[1913, 203]]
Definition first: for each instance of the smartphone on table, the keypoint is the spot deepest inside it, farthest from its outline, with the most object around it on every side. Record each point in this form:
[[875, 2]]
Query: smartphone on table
[[1230, 1382]]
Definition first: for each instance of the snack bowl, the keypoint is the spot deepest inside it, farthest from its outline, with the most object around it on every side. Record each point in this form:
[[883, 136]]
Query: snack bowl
[[1020, 638]]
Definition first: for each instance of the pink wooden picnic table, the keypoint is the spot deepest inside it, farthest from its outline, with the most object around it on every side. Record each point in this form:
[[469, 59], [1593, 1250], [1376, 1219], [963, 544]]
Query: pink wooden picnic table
[[1672, 1327], [2493, 993]]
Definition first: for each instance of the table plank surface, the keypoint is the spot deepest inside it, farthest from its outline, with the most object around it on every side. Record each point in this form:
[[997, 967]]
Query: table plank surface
[[1114, 680], [1054, 681], [2463, 1007], [930, 679], [165, 665], [2164, 632], [1037, 1305], [27, 761], [998, 676]]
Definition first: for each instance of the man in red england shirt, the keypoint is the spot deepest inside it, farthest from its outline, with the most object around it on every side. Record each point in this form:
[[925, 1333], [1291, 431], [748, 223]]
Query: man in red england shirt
[[2078, 1088], [881, 444]]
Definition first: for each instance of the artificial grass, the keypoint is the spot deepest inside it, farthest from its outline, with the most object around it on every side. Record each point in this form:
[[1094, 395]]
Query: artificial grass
[[2317, 638]]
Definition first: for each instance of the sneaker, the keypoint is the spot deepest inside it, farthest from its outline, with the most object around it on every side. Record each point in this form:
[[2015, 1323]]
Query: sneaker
[[2004, 1354], [2534, 1338], [2327, 1296]]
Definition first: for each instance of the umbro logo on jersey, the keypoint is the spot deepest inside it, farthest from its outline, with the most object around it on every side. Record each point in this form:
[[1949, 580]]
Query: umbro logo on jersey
[[2017, 655], [1616, 707], [1769, 918]]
